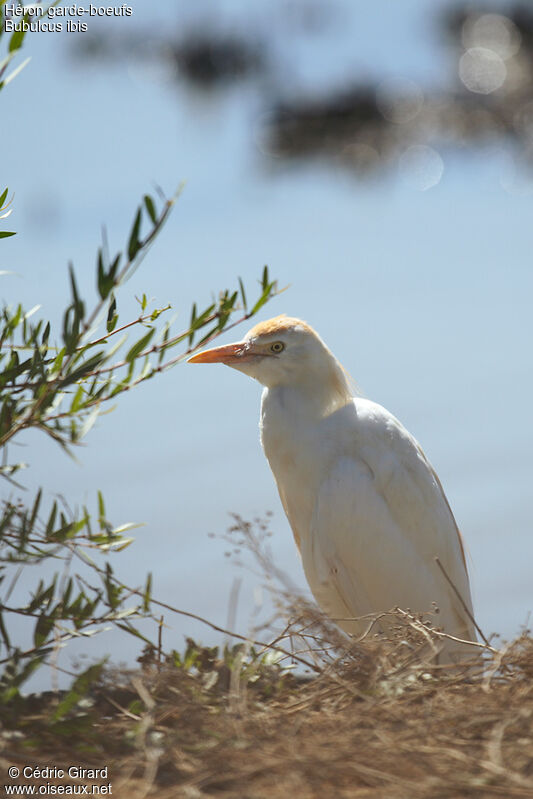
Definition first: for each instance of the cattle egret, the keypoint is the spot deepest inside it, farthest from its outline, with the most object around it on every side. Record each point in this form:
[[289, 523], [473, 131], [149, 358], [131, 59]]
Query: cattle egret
[[366, 508]]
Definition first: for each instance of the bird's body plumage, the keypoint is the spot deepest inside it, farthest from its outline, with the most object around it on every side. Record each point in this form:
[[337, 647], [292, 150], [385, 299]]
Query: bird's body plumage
[[369, 515], [367, 510]]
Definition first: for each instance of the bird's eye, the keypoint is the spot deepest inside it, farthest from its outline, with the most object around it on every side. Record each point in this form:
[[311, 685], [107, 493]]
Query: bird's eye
[[277, 346]]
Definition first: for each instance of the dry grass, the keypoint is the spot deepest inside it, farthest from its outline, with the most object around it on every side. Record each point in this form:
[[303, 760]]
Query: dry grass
[[370, 718], [376, 720]]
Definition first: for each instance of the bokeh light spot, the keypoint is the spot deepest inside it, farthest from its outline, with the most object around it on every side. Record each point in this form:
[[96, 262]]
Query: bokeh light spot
[[494, 32], [482, 70], [421, 167]]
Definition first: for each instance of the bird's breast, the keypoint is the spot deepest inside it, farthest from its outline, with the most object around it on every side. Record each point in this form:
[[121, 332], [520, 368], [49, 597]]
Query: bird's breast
[[296, 475], [298, 454]]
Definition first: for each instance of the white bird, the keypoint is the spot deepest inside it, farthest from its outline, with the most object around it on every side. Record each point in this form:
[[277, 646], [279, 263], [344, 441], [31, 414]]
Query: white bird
[[366, 508]]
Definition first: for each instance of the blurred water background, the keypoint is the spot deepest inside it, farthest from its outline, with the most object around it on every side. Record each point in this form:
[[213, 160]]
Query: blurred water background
[[411, 257]]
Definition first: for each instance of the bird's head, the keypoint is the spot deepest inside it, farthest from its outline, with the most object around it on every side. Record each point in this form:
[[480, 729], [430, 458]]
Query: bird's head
[[283, 352]]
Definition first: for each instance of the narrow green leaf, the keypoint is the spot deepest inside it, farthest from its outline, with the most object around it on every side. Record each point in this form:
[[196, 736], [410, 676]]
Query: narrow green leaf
[[140, 345], [4, 234], [51, 521], [101, 507], [89, 422], [147, 593], [42, 630], [65, 599], [112, 316], [129, 628], [150, 207], [243, 294], [3, 197], [134, 244], [73, 285], [116, 546], [63, 533], [46, 334], [100, 274], [261, 301], [77, 400], [67, 703], [145, 372], [79, 689], [15, 43], [35, 509], [3, 632], [114, 268], [57, 363], [113, 591], [82, 371], [204, 317], [123, 528], [192, 323], [162, 351], [117, 345], [211, 332]]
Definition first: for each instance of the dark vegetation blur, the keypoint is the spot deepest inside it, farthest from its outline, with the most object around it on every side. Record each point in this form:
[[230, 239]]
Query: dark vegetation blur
[[486, 95]]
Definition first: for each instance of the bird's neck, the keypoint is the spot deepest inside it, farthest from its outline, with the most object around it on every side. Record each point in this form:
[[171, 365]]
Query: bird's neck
[[302, 405], [295, 404], [323, 391]]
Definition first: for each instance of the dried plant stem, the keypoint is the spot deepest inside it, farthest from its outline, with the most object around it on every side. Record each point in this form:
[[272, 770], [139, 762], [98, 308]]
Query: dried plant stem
[[461, 600]]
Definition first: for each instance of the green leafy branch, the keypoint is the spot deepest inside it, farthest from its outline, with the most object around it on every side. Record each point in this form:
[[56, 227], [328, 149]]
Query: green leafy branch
[[60, 389], [57, 384], [15, 42], [66, 606], [5, 211]]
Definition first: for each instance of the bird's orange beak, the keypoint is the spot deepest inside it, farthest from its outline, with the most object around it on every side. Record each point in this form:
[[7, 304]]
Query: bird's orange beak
[[225, 354]]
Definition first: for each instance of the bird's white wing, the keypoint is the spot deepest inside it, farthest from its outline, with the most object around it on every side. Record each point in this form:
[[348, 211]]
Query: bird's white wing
[[380, 520]]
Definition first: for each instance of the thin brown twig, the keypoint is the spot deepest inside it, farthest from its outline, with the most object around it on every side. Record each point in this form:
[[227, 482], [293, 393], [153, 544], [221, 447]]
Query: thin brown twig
[[196, 617], [443, 634], [123, 710], [461, 600]]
